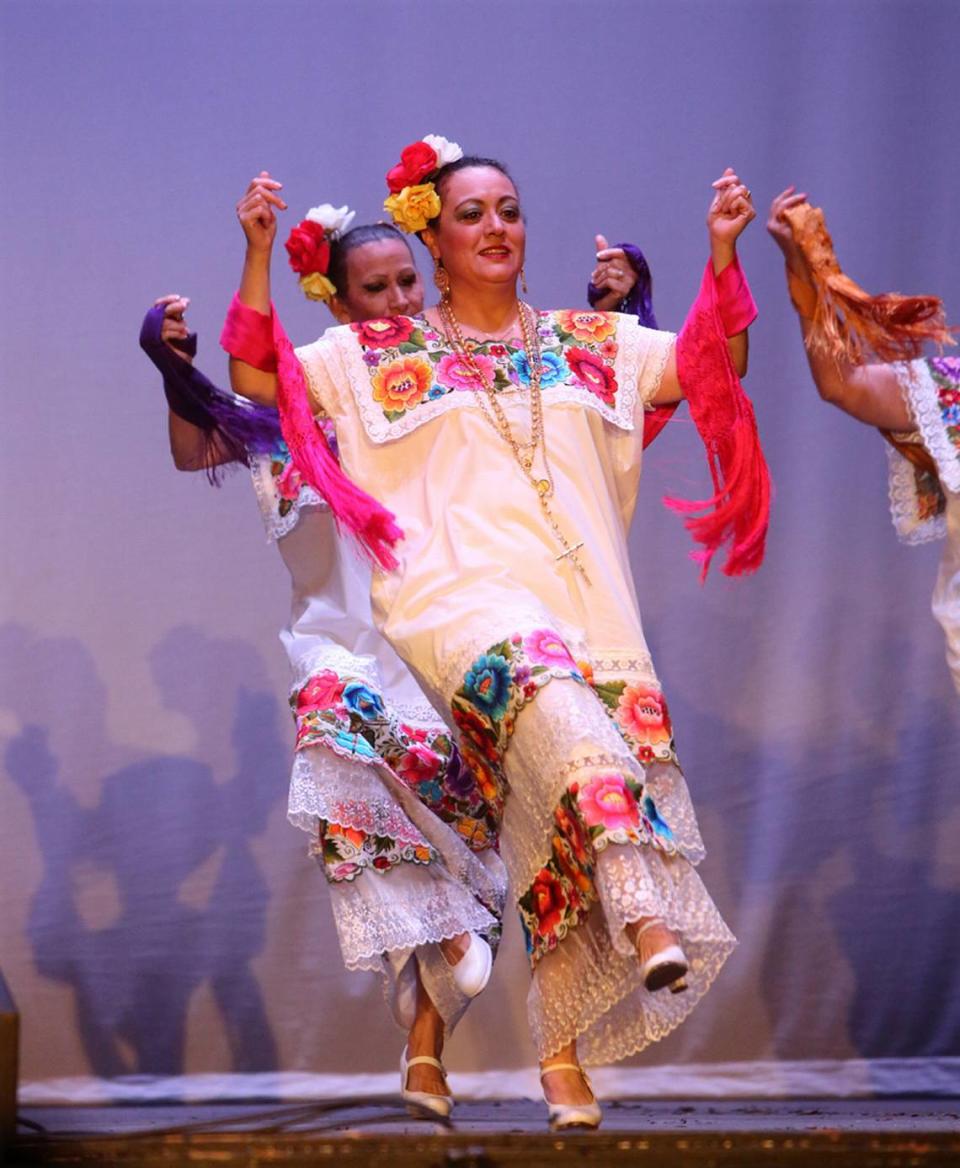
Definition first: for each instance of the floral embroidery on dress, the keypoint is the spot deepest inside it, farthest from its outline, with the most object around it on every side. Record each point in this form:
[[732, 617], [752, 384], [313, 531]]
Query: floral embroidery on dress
[[945, 372], [609, 808], [348, 717], [409, 364], [639, 711], [348, 851], [496, 687]]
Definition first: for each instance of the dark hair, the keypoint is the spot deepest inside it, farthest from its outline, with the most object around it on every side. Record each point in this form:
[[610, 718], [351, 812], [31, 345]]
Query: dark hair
[[354, 238], [467, 162]]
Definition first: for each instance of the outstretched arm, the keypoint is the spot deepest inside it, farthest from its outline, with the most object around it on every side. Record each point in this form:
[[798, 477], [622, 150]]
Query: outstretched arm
[[869, 393], [729, 213], [257, 214]]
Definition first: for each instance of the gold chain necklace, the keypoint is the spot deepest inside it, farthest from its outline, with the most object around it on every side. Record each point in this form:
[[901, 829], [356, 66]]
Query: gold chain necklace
[[488, 400]]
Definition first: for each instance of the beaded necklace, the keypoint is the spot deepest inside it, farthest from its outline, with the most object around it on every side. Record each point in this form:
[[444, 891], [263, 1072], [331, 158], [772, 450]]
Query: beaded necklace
[[487, 399]]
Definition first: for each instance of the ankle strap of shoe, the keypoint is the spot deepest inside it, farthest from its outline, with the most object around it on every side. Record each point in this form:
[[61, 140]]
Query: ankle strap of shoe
[[425, 1060], [563, 1067]]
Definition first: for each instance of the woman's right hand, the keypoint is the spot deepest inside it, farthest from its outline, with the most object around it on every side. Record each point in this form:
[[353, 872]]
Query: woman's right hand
[[256, 212], [779, 228]]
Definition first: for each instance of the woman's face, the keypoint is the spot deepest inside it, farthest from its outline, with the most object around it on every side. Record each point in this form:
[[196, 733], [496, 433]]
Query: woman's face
[[382, 280], [481, 235]]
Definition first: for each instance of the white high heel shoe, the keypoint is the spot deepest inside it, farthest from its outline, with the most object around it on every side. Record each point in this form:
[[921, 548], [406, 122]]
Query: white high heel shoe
[[564, 1115], [666, 967], [472, 971], [419, 1101]]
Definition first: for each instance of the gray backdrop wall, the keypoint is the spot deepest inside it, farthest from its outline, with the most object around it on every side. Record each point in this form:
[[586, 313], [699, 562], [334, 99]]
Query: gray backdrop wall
[[157, 915]]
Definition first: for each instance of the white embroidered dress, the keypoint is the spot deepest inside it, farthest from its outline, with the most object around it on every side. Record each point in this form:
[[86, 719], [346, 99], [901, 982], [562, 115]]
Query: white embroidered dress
[[598, 829], [924, 508], [400, 878]]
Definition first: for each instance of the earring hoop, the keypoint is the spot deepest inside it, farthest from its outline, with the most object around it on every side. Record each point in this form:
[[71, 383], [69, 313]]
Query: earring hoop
[[441, 277]]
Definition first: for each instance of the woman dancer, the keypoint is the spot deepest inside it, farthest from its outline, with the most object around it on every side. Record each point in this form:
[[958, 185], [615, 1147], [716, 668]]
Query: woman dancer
[[915, 402], [377, 781], [508, 444]]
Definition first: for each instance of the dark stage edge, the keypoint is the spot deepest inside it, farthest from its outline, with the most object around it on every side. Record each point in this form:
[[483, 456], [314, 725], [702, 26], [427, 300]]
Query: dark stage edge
[[827, 1133]]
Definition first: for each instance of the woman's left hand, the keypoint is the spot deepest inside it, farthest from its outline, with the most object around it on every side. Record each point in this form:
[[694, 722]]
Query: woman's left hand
[[174, 326], [730, 211]]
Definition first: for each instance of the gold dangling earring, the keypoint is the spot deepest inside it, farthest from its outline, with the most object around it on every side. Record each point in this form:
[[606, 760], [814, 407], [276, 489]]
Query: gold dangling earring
[[441, 277], [523, 280]]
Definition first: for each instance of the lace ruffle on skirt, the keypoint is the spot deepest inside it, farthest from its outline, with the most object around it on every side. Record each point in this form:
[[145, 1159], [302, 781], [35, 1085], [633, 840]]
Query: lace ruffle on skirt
[[586, 984]]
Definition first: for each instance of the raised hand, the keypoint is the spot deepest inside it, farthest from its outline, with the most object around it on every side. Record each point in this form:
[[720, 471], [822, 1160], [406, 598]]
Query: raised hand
[[731, 209], [613, 274], [257, 211], [174, 326], [780, 229]]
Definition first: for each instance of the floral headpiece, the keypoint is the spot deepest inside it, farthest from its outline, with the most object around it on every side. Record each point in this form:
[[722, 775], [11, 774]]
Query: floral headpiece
[[413, 199], [308, 246]]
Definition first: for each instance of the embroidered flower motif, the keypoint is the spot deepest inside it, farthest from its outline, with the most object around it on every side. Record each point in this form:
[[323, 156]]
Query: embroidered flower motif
[[642, 713], [418, 764], [402, 384], [487, 684], [545, 647], [948, 367], [592, 327], [454, 372], [384, 332], [321, 692], [363, 700], [593, 372], [457, 778], [352, 835], [351, 743], [289, 481], [570, 827], [652, 816], [607, 802], [549, 901], [553, 368]]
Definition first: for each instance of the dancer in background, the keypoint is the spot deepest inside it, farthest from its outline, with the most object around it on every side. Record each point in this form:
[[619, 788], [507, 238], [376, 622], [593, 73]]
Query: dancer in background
[[377, 781], [507, 444], [913, 400]]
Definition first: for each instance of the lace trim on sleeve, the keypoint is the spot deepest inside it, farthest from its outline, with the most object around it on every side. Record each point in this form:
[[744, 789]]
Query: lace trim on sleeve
[[280, 515], [917, 514], [644, 356]]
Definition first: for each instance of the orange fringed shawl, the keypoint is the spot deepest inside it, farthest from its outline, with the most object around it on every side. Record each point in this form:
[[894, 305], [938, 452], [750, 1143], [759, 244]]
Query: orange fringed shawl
[[849, 324]]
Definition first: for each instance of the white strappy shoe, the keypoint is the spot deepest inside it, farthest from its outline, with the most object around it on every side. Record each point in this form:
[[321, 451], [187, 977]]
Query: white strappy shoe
[[419, 1101], [564, 1115], [666, 967], [472, 971]]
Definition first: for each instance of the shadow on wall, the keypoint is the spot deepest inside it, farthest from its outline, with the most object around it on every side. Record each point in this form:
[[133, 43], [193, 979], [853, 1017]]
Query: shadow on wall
[[154, 891]]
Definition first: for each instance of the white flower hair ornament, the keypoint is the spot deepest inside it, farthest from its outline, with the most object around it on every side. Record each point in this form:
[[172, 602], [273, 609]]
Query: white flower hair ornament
[[308, 246]]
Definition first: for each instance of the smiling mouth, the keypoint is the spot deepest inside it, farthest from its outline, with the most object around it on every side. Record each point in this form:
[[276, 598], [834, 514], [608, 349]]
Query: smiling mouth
[[496, 253]]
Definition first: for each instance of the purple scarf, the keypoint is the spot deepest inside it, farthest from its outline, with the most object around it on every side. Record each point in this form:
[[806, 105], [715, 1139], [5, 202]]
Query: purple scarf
[[240, 428]]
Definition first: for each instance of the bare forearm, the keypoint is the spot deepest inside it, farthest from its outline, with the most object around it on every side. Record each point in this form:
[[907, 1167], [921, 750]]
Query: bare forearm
[[255, 280], [189, 447], [253, 383], [869, 393]]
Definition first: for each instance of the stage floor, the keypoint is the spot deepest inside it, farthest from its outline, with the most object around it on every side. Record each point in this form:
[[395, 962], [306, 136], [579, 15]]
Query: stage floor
[[858, 1133]]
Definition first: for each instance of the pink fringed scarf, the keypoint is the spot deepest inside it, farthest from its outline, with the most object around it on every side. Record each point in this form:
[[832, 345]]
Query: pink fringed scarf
[[245, 336], [738, 512]]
